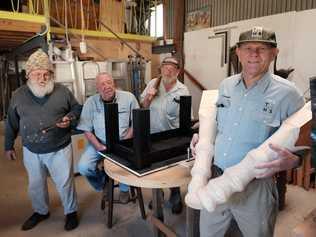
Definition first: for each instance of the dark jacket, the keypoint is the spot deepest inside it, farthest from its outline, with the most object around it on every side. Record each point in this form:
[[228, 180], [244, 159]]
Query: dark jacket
[[29, 115]]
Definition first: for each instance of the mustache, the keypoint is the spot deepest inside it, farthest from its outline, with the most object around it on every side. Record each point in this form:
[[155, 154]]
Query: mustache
[[40, 91]]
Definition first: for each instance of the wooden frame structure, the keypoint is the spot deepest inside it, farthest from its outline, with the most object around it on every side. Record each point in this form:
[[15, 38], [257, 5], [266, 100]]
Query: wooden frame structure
[[17, 27]]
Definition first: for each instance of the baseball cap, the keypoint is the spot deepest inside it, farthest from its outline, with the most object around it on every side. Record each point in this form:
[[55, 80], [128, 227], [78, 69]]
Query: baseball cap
[[171, 61], [258, 34]]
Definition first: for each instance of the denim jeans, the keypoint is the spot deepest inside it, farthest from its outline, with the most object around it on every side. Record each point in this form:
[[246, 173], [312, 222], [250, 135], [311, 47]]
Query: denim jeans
[[59, 166], [87, 166]]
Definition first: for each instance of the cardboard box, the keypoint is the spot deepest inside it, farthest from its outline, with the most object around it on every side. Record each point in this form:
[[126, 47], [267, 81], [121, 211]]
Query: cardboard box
[[78, 143]]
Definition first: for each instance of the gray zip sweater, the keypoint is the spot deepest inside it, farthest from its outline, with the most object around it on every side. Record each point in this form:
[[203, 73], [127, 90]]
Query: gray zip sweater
[[29, 115]]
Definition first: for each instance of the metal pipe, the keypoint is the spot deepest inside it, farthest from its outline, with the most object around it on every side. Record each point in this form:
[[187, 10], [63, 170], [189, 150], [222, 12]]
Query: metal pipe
[[120, 39]]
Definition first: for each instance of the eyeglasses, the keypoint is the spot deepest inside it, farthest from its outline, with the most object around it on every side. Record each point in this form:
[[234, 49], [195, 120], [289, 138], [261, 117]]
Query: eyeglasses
[[40, 75], [259, 50]]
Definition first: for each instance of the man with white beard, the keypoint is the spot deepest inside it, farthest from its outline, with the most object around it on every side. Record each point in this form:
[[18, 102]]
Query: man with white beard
[[42, 112], [162, 97]]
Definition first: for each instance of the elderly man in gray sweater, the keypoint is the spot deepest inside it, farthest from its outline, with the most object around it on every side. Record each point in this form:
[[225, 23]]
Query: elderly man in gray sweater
[[41, 112]]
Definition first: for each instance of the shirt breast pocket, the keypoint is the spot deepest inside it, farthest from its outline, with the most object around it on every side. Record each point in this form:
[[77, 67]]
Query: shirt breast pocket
[[172, 107], [98, 121], [265, 124], [223, 105], [124, 117]]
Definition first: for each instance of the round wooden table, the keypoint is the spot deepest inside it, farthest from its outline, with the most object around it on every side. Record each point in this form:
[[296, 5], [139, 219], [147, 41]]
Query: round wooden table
[[174, 176]]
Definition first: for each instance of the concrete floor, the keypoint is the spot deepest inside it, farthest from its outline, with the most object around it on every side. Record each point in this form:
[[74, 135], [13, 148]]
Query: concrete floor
[[15, 208]]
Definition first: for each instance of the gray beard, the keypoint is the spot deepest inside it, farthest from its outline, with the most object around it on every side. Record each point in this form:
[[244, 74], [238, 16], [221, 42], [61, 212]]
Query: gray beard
[[39, 91], [169, 80]]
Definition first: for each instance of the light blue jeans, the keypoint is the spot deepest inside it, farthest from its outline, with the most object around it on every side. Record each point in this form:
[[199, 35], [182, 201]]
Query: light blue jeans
[[87, 166], [59, 165]]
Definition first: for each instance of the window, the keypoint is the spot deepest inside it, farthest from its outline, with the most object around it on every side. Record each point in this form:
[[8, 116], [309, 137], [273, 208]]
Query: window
[[156, 21]]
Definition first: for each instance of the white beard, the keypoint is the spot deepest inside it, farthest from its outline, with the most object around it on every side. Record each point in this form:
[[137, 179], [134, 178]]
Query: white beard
[[40, 91], [169, 80]]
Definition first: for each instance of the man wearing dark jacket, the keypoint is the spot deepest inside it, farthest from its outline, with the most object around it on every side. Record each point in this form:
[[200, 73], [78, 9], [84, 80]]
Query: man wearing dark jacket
[[42, 111]]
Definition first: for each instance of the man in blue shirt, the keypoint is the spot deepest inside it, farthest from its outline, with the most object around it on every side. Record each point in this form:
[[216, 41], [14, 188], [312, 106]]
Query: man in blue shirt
[[161, 96], [250, 108], [93, 124]]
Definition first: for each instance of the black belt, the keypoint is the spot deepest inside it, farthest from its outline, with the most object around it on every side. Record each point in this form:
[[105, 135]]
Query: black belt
[[216, 171]]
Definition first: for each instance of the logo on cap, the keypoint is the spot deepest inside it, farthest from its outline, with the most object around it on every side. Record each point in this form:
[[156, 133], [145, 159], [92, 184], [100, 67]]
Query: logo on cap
[[256, 32]]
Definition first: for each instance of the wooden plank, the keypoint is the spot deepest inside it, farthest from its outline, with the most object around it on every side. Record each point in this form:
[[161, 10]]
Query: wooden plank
[[113, 49], [20, 26], [155, 64], [15, 35], [11, 39], [112, 15], [308, 170], [161, 226], [74, 13], [178, 13], [18, 16], [103, 34], [299, 176]]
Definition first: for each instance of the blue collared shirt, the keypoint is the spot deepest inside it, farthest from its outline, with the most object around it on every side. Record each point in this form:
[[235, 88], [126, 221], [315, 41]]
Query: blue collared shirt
[[246, 117], [92, 115]]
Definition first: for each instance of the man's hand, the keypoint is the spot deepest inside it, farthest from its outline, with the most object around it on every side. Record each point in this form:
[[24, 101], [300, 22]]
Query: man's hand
[[151, 93], [100, 147], [94, 141], [194, 141], [286, 160], [10, 155], [64, 123]]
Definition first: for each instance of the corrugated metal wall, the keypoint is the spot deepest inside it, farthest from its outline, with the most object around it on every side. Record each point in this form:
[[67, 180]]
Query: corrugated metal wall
[[226, 11], [193, 5]]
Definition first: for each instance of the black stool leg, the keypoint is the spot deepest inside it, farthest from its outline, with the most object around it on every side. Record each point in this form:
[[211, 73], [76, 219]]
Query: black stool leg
[[133, 194], [141, 202], [158, 210], [281, 187], [110, 210], [103, 200]]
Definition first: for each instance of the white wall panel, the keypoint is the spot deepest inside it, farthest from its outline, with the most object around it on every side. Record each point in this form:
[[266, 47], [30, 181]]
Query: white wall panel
[[296, 37]]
